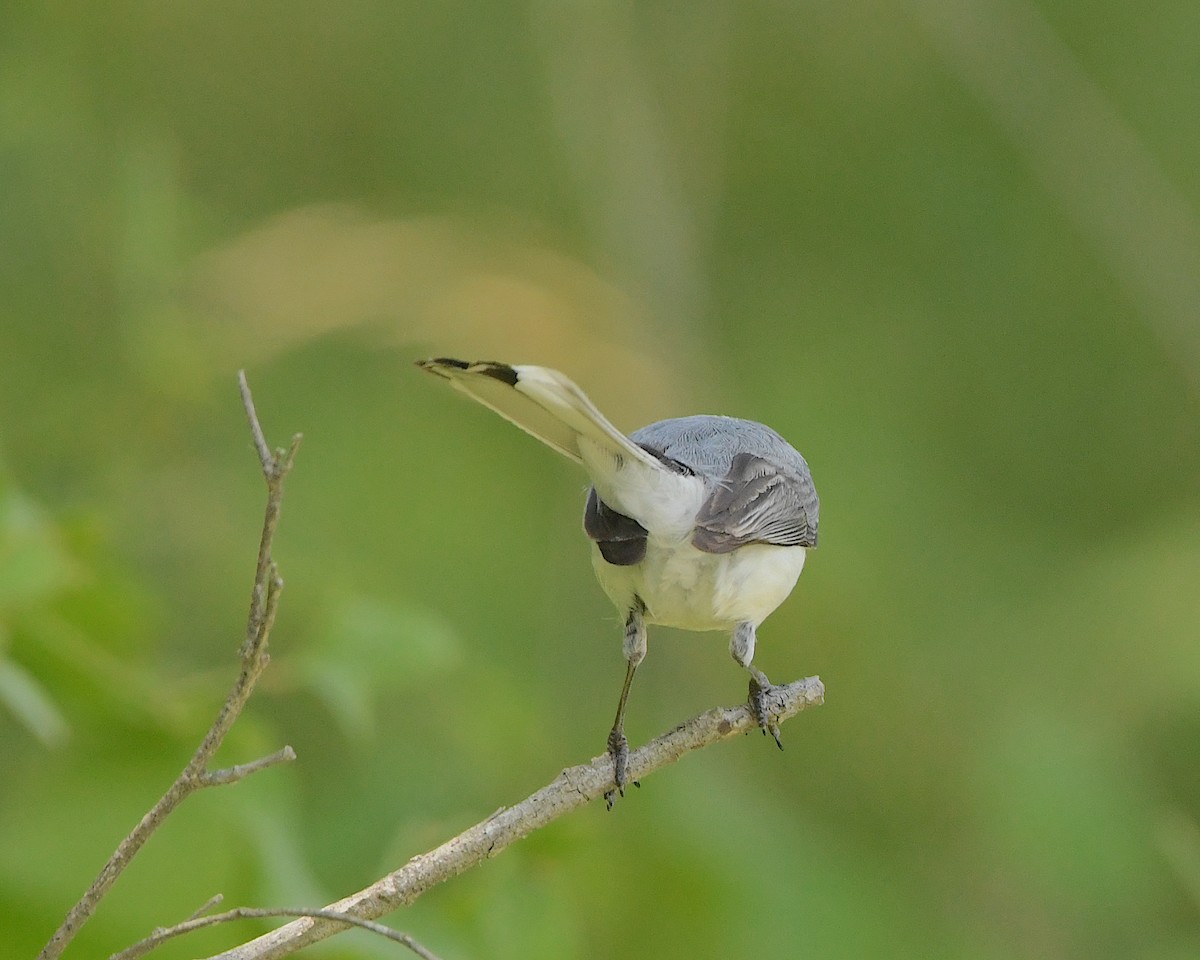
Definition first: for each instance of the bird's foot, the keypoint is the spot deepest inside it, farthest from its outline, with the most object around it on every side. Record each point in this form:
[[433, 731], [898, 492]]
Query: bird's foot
[[761, 699], [618, 749]]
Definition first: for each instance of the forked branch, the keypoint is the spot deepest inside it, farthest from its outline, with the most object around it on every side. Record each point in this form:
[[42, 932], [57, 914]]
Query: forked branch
[[264, 600]]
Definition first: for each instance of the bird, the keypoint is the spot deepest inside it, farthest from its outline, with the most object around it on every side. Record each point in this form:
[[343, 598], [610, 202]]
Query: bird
[[699, 522]]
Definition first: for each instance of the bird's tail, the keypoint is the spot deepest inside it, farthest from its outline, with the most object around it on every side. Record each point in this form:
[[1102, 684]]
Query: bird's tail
[[544, 403]]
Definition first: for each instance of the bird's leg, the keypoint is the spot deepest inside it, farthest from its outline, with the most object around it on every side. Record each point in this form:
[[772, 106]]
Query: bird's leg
[[634, 648], [741, 647]]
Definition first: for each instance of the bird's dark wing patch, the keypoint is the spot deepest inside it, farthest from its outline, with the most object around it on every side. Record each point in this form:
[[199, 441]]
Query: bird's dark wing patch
[[758, 502], [621, 539]]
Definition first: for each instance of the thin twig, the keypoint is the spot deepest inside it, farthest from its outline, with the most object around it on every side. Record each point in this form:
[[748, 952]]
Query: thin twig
[[254, 659], [214, 901], [163, 934], [570, 790], [240, 771], [260, 441]]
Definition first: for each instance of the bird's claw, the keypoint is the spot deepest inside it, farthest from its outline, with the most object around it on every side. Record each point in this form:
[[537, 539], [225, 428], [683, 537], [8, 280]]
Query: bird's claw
[[618, 749], [760, 694]]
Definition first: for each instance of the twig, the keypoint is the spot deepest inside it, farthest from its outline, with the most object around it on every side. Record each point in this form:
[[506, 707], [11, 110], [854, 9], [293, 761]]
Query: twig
[[254, 659], [215, 900], [570, 790], [164, 934], [242, 770], [256, 432]]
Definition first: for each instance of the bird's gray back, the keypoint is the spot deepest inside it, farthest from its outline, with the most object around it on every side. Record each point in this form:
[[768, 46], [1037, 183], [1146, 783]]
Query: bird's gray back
[[707, 444], [758, 489]]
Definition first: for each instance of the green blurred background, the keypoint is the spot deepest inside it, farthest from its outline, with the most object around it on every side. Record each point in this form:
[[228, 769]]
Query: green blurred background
[[949, 249]]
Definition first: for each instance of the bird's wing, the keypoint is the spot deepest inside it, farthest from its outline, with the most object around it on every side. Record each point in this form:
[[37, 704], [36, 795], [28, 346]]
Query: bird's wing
[[542, 402], [758, 501]]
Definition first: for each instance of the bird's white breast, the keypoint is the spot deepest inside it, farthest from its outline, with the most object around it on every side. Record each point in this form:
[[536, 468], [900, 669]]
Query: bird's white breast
[[686, 588]]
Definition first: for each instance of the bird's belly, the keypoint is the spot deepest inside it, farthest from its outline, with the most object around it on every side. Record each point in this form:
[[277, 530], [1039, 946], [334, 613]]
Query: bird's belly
[[687, 588]]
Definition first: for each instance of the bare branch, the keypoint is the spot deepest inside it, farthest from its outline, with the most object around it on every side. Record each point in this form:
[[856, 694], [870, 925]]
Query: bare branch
[[163, 934], [254, 657], [570, 790]]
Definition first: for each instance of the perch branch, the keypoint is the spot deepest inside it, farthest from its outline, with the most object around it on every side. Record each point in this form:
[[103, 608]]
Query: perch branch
[[570, 790], [254, 658]]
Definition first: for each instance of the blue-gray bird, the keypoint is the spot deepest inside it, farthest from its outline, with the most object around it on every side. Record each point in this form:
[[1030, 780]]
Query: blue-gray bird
[[699, 522]]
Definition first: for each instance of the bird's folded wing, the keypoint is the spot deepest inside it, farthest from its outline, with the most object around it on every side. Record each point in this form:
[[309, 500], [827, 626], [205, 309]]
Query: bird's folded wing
[[758, 502]]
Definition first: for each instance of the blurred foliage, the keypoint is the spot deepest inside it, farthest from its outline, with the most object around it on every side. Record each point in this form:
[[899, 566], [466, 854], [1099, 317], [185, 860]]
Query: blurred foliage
[[949, 249]]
